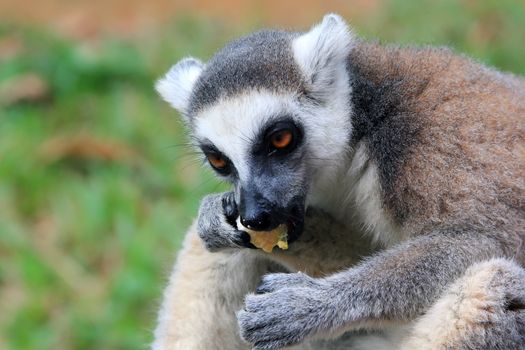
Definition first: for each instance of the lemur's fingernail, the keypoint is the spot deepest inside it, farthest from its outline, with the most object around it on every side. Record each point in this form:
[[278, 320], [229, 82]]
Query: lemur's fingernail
[[245, 237]]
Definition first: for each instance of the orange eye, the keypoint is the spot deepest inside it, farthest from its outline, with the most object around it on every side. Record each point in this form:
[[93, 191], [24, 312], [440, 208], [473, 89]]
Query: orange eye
[[281, 139], [216, 161]]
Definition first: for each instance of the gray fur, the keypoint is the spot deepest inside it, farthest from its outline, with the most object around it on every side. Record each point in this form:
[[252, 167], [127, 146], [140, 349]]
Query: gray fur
[[213, 226], [259, 60], [398, 284], [384, 119]]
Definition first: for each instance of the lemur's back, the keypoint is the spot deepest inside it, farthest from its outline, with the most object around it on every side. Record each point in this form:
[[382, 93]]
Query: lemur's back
[[456, 136]]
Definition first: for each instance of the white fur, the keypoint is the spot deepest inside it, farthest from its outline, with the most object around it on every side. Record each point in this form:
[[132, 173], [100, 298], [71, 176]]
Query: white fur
[[352, 194], [205, 289], [328, 129], [388, 339], [192, 316], [232, 124], [320, 52], [176, 86], [366, 194]]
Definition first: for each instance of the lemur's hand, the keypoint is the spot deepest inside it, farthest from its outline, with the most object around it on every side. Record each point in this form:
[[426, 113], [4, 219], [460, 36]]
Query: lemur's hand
[[287, 309], [216, 223]]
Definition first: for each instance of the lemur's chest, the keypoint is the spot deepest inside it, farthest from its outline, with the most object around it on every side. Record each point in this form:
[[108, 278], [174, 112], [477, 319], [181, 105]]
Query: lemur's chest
[[353, 196]]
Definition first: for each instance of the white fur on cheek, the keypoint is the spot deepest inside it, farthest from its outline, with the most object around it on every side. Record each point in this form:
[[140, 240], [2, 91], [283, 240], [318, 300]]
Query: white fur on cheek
[[176, 86]]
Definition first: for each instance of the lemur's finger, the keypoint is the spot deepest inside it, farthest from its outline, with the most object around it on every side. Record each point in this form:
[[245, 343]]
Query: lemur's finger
[[230, 208]]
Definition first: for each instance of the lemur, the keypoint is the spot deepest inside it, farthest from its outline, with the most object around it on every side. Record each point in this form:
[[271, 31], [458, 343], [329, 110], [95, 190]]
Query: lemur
[[399, 173]]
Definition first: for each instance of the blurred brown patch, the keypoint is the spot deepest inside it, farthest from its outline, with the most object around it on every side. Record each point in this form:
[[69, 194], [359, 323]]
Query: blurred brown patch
[[88, 19], [10, 47], [46, 241], [487, 30], [277, 12], [84, 147], [29, 87]]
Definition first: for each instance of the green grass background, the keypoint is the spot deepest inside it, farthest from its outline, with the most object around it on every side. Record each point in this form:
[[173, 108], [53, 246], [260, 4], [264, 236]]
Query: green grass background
[[86, 243]]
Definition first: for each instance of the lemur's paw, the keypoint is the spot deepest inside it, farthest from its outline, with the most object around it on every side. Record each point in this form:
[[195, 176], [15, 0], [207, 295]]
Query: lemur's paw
[[293, 308], [216, 223]]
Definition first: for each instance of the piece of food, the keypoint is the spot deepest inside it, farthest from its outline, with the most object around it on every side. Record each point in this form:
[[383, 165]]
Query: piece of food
[[267, 240]]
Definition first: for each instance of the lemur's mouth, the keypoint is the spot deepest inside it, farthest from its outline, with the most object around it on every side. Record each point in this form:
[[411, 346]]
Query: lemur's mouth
[[273, 222]]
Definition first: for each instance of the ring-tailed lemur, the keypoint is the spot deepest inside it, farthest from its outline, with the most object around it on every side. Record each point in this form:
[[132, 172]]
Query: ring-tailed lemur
[[417, 148]]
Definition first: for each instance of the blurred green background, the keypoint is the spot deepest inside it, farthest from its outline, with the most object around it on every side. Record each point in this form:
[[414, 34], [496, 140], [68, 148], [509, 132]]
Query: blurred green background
[[97, 184]]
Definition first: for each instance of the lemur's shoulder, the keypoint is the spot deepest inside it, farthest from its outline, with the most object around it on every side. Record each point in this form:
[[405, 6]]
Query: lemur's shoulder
[[378, 61], [416, 67], [431, 74], [447, 133]]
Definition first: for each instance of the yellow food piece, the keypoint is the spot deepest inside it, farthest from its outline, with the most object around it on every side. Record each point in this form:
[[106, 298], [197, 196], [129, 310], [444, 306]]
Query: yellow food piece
[[267, 240]]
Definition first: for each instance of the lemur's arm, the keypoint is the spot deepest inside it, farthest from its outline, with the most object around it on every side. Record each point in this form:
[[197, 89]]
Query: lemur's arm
[[204, 292], [395, 285]]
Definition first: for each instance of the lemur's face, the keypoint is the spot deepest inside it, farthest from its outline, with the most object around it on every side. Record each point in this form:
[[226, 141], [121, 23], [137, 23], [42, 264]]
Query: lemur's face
[[270, 113], [257, 141]]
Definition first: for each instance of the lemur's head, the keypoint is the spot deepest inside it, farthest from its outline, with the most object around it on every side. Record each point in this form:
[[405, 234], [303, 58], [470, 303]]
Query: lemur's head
[[271, 113]]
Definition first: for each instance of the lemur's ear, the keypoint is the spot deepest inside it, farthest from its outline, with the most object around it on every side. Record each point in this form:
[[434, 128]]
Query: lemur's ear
[[321, 52], [176, 86]]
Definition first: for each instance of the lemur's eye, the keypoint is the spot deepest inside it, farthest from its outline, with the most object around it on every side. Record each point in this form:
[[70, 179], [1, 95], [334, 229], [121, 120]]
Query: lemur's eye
[[217, 161], [281, 139]]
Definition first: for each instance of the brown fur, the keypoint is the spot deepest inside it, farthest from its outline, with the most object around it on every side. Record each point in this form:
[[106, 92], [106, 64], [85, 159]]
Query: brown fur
[[467, 166]]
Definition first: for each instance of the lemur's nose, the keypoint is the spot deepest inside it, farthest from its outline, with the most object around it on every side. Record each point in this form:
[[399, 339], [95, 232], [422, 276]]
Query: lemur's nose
[[261, 221], [256, 212]]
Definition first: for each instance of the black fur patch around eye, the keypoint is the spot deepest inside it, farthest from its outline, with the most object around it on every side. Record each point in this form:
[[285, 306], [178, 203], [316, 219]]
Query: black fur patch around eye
[[261, 146], [229, 170]]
